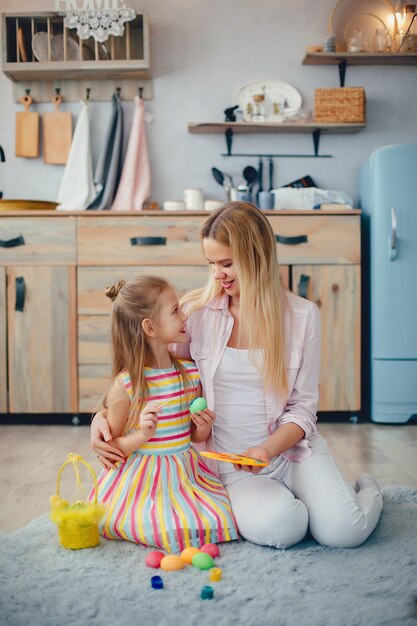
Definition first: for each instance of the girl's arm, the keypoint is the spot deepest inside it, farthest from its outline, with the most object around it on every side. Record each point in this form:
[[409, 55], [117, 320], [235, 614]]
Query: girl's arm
[[148, 421], [201, 423]]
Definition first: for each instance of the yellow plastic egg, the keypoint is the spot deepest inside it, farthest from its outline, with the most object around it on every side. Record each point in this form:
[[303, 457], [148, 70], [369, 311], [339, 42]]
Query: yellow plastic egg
[[171, 563], [188, 553]]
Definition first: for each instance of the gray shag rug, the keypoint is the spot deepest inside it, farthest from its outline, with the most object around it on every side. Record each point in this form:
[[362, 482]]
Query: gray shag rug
[[43, 584]]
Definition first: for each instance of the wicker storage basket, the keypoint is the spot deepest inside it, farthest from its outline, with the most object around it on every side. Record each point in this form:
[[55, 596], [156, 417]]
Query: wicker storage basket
[[342, 104], [78, 522]]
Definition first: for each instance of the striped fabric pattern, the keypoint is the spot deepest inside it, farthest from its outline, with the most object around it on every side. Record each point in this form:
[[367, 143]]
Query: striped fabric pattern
[[164, 495]]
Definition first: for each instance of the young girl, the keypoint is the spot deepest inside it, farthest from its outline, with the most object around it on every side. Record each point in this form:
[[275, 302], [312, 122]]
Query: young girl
[[162, 494]]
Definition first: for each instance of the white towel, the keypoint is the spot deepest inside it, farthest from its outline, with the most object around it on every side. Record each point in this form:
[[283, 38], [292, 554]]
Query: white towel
[[77, 185], [135, 183], [308, 198]]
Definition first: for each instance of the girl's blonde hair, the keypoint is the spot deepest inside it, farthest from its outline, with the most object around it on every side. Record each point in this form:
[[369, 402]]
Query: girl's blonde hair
[[134, 301], [246, 231]]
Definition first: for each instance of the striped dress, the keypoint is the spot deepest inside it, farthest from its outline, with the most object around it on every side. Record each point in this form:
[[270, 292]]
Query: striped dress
[[164, 495]]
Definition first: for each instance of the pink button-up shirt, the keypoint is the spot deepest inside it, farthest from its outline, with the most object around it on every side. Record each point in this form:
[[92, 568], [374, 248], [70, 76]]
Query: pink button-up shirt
[[208, 331]]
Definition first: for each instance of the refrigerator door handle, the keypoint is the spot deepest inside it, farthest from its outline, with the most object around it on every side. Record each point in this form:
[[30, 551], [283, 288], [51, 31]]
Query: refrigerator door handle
[[393, 250]]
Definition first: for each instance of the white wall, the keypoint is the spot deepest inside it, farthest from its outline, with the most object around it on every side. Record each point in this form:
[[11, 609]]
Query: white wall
[[202, 51]]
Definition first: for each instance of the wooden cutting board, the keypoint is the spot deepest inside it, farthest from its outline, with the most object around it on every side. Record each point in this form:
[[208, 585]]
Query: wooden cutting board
[[57, 134], [27, 131]]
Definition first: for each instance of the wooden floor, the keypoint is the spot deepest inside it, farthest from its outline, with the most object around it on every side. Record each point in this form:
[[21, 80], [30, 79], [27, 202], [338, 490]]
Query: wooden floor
[[30, 457]]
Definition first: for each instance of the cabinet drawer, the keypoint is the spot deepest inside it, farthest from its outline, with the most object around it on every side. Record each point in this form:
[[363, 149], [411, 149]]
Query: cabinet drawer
[[37, 241], [92, 282], [140, 240], [317, 239]]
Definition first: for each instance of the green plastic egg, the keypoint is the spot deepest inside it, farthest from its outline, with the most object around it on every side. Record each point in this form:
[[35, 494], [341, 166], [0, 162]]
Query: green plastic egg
[[202, 561], [198, 404]]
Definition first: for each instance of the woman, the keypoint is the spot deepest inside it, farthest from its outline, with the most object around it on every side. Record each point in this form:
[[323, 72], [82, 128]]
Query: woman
[[257, 348]]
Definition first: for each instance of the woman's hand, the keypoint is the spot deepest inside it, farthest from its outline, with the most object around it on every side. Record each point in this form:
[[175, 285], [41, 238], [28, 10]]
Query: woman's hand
[[257, 452], [148, 419], [100, 435]]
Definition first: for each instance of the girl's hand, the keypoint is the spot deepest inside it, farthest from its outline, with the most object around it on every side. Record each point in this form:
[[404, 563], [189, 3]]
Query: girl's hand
[[148, 419], [100, 434], [204, 420], [256, 453]]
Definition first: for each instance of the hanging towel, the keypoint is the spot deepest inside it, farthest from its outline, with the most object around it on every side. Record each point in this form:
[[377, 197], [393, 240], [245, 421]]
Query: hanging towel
[[135, 183], [77, 185], [109, 164]]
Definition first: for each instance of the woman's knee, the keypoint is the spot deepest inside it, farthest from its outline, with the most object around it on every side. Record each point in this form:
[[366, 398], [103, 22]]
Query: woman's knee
[[279, 524], [341, 529]]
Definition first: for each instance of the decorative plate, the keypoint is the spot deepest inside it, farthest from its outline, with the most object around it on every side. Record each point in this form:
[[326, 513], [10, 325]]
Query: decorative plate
[[40, 46], [57, 49], [282, 96], [366, 14]]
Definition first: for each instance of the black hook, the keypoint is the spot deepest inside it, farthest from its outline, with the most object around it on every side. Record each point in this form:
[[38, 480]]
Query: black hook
[[118, 90], [87, 93], [140, 91], [27, 92], [57, 91]]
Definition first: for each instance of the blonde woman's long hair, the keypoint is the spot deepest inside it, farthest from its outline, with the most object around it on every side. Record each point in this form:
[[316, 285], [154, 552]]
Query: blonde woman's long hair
[[246, 231], [134, 301]]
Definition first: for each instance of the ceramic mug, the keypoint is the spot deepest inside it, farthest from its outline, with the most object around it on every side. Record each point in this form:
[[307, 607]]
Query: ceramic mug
[[194, 199]]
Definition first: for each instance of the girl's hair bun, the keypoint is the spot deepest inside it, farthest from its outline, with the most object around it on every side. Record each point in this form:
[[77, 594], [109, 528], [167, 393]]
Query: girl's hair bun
[[111, 292]]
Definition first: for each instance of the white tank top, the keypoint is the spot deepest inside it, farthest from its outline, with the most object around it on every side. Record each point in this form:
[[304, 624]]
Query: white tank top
[[239, 404]]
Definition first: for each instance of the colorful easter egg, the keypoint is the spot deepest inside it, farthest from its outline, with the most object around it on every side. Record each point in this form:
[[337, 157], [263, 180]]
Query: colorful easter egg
[[188, 553], [153, 559], [202, 560], [212, 549], [198, 404], [172, 562]]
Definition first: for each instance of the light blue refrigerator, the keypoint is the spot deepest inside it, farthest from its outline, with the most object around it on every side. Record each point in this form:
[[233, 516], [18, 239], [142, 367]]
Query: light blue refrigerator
[[388, 197]]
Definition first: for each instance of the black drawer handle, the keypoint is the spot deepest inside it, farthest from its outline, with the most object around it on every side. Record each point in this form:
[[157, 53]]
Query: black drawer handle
[[148, 241], [302, 287], [12, 243], [291, 241], [20, 293]]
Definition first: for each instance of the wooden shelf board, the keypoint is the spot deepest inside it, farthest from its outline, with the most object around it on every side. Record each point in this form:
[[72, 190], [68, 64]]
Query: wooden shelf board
[[359, 58], [266, 127], [70, 70]]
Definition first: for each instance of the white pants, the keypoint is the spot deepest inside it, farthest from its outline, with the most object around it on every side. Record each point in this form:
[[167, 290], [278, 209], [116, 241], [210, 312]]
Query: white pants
[[277, 507]]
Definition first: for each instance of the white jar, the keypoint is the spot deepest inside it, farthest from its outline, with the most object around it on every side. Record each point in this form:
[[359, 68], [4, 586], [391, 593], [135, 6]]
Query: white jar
[[194, 199], [380, 40], [357, 42]]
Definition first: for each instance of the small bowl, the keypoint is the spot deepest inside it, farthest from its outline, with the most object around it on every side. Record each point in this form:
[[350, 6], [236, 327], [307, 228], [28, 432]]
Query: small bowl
[[27, 205]]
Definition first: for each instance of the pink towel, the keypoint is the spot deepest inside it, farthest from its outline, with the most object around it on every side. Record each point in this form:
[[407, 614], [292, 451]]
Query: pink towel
[[135, 183]]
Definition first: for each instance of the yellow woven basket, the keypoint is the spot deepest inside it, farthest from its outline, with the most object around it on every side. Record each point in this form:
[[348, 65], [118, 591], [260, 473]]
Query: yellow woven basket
[[78, 522]]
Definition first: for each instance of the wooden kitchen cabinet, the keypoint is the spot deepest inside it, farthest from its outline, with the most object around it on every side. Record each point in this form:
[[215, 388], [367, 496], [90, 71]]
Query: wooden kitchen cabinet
[[3, 343], [41, 340], [336, 291], [319, 254], [38, 315]]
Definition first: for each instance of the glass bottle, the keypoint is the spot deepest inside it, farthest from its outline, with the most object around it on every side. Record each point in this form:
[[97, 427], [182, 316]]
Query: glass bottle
[[357, 42], [380, 40]]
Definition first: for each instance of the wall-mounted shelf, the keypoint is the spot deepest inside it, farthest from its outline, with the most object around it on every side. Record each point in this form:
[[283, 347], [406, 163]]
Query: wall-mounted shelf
[[72, 59], [315, 129], [343, 59]]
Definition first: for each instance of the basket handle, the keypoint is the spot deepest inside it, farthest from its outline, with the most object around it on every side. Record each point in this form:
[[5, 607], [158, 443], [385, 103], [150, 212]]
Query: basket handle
[[75, 459]]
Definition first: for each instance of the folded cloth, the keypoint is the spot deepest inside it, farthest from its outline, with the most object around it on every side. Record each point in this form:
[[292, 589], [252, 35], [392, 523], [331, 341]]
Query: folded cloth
[[135, 183], [308, 198], [109, 164], [76, 190]]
